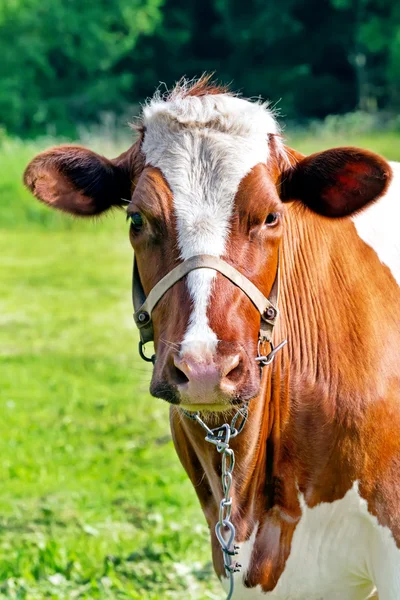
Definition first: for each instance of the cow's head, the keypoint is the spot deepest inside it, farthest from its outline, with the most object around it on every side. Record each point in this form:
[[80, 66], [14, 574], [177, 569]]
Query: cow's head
[[209, 175]]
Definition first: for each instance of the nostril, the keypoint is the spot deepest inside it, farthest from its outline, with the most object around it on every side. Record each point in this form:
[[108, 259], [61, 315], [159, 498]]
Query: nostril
[[235, 374], [230, 364], [178, 376], [233, 369]]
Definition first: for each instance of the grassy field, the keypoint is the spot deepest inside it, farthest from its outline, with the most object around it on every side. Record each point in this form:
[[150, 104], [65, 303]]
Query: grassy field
[[93, 501]]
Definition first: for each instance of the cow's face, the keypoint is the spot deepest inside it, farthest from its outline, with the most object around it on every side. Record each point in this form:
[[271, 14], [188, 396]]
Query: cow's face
[[206, 328], [208, 177], [208, 188]]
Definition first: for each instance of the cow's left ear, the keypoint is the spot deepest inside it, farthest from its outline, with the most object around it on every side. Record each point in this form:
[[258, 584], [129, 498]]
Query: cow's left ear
[[78, 181], [336, 182]]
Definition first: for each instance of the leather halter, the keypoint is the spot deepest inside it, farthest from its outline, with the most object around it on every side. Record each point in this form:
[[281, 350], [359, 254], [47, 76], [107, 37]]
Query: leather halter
[[144, 306]]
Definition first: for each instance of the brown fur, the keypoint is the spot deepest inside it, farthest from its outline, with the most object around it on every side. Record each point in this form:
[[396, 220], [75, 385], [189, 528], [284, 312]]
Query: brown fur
[[204, 86]]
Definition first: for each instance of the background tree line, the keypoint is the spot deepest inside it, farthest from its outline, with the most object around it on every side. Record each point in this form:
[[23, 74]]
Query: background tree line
[[65, 62]]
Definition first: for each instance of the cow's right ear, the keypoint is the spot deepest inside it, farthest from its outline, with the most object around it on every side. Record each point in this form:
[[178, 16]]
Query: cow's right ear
[[78, 181]]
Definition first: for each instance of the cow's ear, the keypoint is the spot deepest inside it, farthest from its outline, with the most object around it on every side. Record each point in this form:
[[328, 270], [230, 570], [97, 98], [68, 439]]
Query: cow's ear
[[336, 182], [78, 181]]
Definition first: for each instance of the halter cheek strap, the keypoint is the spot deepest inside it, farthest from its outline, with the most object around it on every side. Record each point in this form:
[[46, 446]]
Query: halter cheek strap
[[144, 306]]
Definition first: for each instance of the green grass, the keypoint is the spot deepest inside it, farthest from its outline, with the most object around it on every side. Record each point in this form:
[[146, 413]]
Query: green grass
[[387, 144], [93, 500]]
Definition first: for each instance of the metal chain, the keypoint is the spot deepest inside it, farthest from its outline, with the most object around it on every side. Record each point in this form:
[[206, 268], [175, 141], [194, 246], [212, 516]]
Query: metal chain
[[221, 437]]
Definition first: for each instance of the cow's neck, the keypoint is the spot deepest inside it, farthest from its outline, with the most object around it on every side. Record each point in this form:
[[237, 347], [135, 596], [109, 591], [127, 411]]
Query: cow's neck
[[203, 464]]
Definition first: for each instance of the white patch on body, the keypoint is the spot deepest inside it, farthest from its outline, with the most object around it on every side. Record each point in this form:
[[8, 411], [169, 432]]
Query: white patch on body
[[379, 225], [204, 146], [339, 552]]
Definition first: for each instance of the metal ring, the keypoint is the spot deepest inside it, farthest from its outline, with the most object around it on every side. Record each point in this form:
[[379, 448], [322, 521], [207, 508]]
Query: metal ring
[[142, 354], [267, 360]]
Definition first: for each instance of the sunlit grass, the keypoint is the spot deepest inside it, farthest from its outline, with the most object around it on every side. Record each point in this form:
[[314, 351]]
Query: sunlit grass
[[387, 143], [93, 501]]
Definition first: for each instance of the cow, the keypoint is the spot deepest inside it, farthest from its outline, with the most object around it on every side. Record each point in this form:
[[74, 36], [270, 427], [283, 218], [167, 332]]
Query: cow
[[316, 490]]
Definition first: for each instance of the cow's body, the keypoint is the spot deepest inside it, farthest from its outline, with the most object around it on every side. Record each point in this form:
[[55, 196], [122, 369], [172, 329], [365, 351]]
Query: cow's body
[[316, 491], [318, 494]]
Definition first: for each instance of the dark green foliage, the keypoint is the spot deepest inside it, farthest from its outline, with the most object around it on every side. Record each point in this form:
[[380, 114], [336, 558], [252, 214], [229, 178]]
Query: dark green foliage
[[70, 62]]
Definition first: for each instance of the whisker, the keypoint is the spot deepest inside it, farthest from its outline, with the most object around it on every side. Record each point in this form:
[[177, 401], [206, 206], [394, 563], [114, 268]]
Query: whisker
[[169, 344]]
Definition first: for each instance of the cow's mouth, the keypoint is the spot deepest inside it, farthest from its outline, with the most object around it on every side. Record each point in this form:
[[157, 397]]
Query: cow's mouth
[[165, 391], [206, 407], [211, 403]]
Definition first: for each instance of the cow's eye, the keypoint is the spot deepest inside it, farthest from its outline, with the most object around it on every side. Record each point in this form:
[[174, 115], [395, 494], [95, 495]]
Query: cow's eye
[[137, 222], [272, 219]]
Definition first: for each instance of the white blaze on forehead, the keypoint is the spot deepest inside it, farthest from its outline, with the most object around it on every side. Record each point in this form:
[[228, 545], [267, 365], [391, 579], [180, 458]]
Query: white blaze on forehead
[[379, 225], [204, 146]]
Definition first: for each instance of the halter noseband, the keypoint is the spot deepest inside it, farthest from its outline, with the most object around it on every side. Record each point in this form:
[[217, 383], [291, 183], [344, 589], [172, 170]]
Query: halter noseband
[[144, 306]]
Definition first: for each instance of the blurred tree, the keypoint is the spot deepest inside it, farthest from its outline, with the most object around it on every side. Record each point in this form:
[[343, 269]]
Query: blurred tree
[[65, 62], [373, 50], [292, 50]]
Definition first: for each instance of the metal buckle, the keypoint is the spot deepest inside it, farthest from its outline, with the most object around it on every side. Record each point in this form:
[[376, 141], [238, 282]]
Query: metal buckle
[[220, 437], [267, 359], [152, 359]]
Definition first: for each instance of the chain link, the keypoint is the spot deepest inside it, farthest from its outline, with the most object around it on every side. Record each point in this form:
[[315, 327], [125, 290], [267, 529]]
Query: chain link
[[224, 528]]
